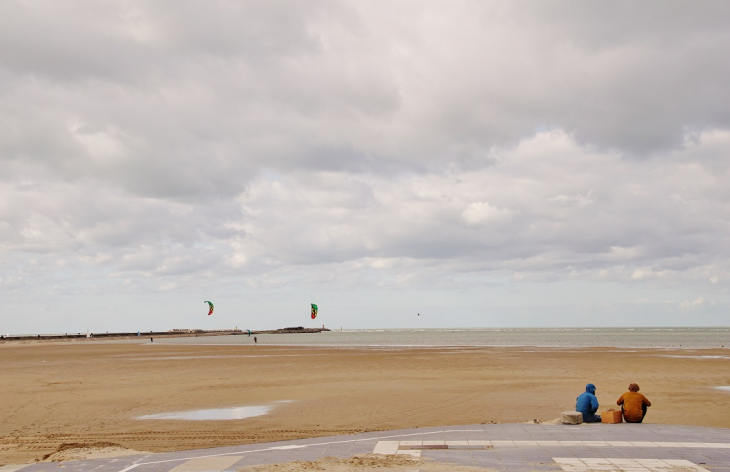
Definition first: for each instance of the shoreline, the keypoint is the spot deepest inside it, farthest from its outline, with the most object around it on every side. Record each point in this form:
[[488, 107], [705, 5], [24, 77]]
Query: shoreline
[[556, 338]]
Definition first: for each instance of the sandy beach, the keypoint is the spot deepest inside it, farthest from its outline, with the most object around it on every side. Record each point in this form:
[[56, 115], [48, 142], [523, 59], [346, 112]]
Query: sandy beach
[[91, 393]]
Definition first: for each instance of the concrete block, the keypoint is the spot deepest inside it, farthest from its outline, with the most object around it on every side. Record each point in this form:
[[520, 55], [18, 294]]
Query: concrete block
[[571, 417]]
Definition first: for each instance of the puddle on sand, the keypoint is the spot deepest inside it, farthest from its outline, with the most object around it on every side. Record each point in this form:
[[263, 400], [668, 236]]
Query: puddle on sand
[[237, 413]]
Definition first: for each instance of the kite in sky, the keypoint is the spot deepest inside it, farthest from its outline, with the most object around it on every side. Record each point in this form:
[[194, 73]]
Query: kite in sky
[[314, 311], [210, 311]]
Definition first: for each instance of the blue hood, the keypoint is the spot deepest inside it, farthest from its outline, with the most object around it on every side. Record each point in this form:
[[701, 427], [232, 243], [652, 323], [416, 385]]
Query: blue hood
[[587, 403]]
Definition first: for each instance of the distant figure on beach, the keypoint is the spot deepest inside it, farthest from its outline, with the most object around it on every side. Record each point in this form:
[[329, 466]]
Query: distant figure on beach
[[587, 403], [152, 340], [255, 340], [633, 404]]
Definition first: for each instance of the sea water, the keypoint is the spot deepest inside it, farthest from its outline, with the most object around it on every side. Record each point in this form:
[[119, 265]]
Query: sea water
[[235, 413], [686, 338]]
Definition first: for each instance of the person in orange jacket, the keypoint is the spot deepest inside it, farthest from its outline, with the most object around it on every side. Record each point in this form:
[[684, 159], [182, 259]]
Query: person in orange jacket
[[633, 404]]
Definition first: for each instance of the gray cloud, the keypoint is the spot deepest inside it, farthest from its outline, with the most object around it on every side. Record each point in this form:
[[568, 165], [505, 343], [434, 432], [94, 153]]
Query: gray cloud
[[531, 204]]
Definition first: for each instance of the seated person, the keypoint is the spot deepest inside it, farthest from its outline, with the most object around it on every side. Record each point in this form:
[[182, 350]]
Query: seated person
[[633, 404], [587, 403]]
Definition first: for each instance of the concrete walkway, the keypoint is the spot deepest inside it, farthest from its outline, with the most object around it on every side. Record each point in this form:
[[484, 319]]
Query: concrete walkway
[[504, 447]]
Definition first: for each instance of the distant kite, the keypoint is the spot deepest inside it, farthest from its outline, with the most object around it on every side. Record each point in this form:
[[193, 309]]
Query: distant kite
[[314, 311], [210, 311]]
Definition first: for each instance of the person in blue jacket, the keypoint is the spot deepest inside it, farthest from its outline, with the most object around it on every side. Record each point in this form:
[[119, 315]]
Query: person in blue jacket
[[587, 403]]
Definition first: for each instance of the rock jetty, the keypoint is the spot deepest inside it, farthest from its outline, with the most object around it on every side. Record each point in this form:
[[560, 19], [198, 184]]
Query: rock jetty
[[173, 333]]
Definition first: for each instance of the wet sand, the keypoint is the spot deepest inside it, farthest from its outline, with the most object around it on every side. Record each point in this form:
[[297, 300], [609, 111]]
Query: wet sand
[[57, 393]]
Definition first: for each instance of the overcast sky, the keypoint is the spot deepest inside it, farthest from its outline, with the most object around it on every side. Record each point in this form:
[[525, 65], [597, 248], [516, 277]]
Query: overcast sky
[[484, 164]]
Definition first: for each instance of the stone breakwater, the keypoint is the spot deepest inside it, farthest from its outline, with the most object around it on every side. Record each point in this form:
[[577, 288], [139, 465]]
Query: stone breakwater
[[298, 329], [175, 333]]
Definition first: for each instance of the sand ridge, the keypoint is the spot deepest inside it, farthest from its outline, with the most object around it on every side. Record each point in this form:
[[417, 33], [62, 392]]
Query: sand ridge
[[79, 451]]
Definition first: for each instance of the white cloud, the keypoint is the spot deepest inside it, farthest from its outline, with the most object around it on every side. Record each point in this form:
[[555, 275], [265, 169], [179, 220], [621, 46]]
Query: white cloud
[[574, 200], [696, 304], [482, 212], [643, 273]]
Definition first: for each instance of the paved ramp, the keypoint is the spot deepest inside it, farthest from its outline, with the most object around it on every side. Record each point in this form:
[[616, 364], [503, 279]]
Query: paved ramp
[[505, 447]]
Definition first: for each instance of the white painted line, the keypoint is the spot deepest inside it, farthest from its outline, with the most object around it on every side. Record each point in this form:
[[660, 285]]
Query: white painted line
[[595, 443], [386, 447], [683, 463], [12, 467], [668, 444], [479, 443], [623, 462], [416, 454], [619, 443], [503, 443], [718, 445], [205, 464], [573, 464], [452, 443]]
